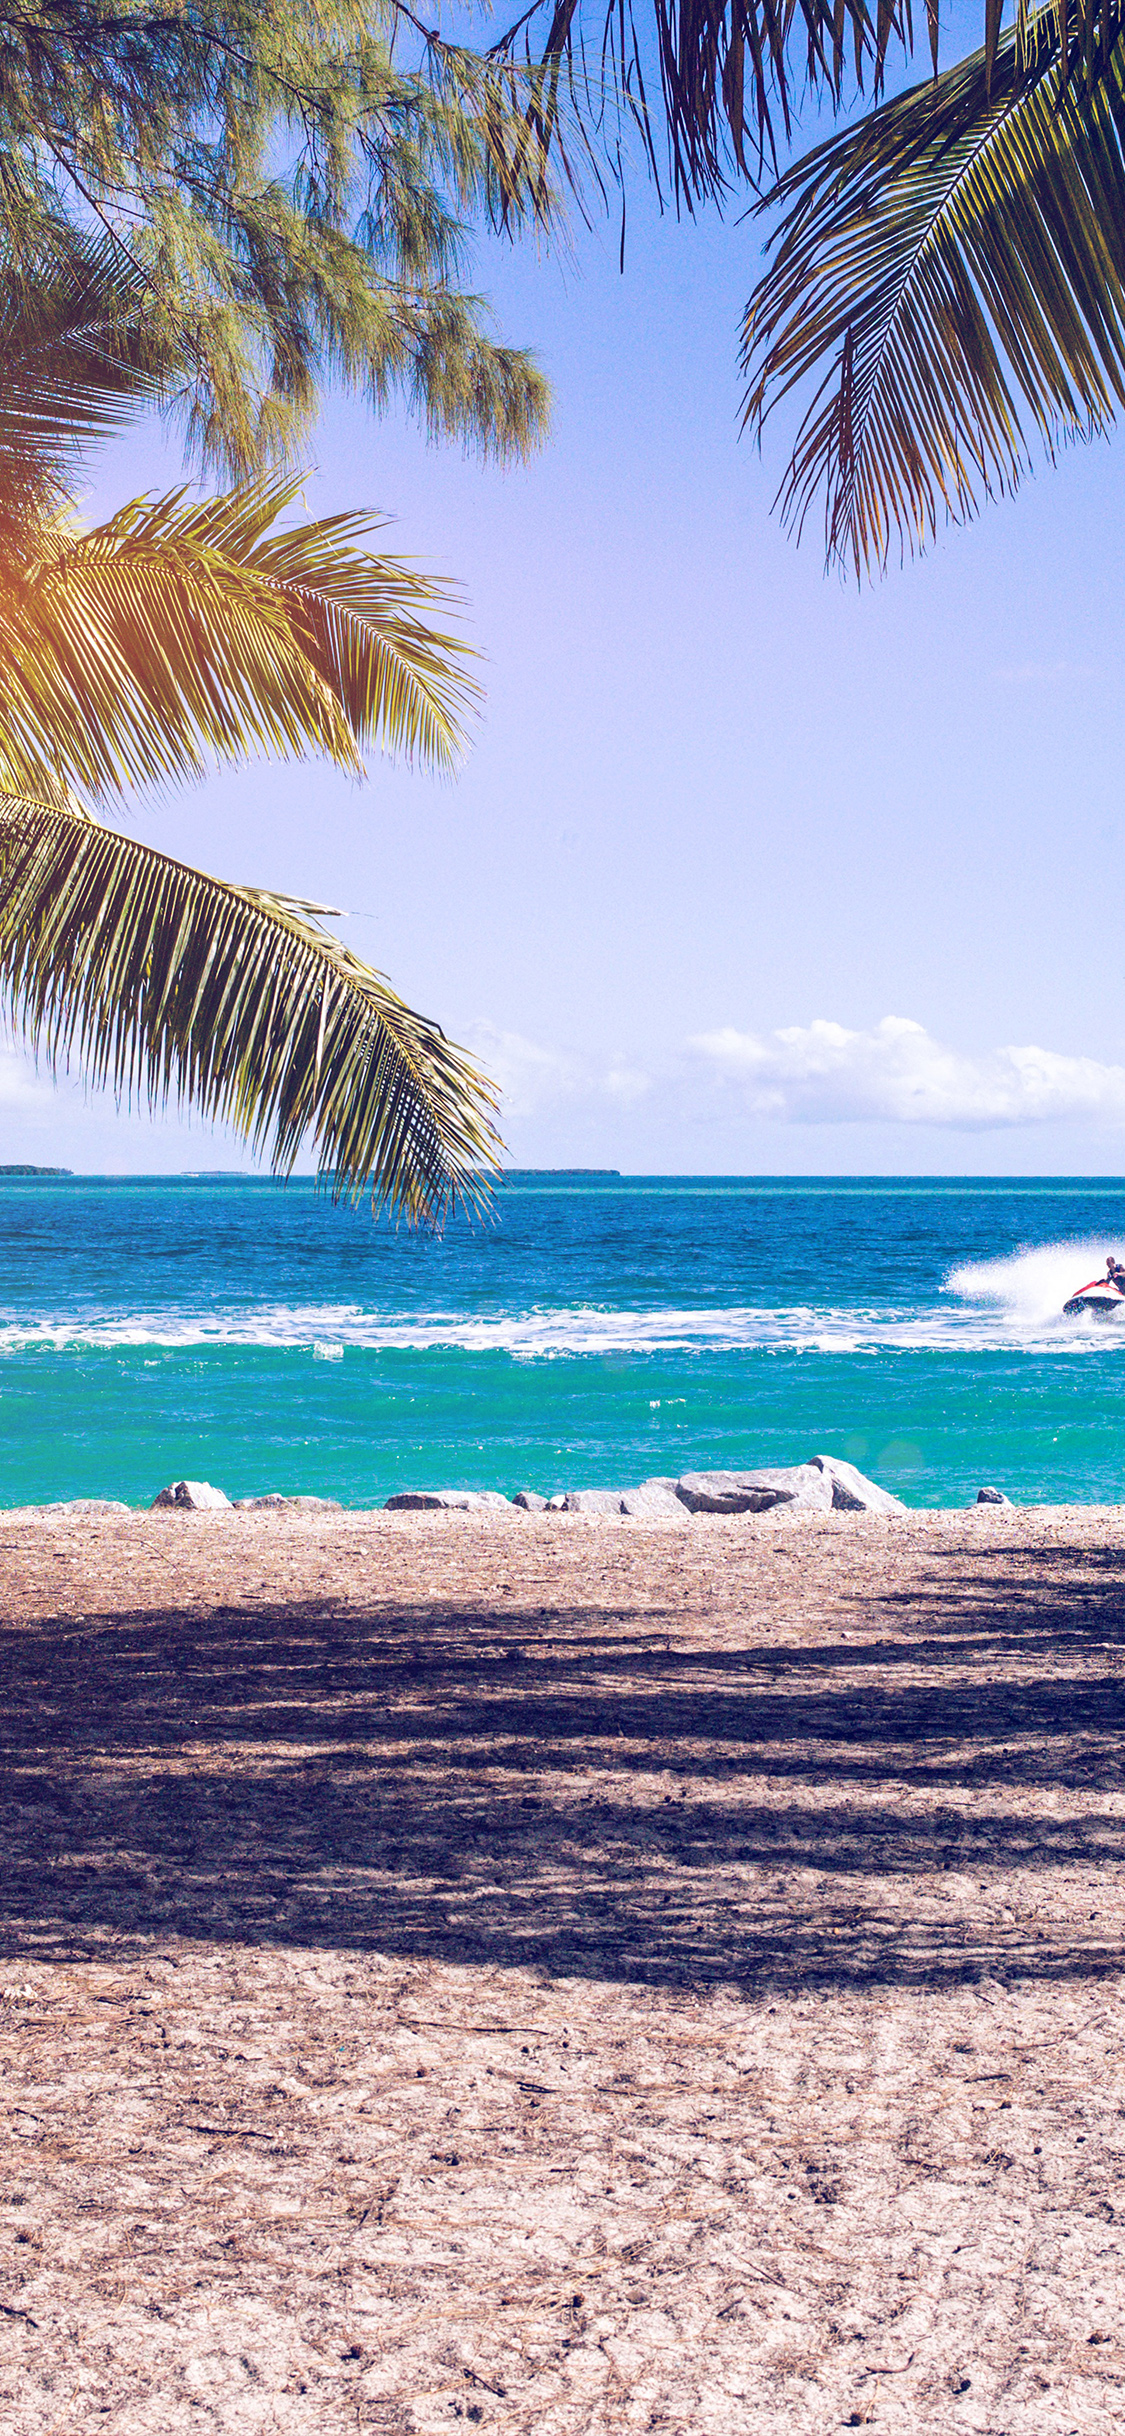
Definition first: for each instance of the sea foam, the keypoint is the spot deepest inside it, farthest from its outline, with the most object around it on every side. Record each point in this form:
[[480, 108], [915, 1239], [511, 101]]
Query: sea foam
[[985, 1305], [1026, 1292]]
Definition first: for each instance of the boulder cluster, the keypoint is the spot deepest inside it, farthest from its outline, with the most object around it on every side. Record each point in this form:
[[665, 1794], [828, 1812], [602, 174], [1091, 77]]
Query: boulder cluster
[[823, 1485]]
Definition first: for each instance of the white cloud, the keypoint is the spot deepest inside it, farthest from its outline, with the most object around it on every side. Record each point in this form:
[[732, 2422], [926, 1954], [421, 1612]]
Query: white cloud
[[625, 1083], [819, 1073], [809, 1074], [530, 1078], [22, 1090]]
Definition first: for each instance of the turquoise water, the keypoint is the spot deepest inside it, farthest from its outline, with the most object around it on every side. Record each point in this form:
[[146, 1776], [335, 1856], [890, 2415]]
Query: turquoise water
[[600, 1330]]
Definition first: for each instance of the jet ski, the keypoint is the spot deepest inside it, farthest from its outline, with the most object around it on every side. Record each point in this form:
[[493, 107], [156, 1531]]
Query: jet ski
[[1099, 1299]]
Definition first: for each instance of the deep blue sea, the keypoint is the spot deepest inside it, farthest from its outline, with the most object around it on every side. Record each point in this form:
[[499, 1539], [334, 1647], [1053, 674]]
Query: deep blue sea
[[598, 1330]]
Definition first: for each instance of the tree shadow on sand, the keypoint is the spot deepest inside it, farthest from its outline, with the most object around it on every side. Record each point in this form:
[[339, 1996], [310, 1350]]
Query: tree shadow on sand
[[553, 1790]]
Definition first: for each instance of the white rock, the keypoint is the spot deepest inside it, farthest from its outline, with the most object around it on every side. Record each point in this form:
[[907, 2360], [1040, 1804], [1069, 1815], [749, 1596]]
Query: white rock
[[593, 1501], [530, 1501], [651, 1500], [190, 1496], [557, 1504], [800, 1485], [851, 1492], [83, 1505], [445, 1501], [274, 1500]]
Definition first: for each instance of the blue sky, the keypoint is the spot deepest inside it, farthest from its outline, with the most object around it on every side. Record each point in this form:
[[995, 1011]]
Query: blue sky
[[747, 870]]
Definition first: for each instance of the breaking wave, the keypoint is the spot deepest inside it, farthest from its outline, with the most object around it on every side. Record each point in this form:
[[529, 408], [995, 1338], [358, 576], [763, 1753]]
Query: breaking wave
[[982, 1306]]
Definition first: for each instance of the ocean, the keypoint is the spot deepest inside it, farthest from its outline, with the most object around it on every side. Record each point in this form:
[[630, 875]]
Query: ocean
[[599, 1330]]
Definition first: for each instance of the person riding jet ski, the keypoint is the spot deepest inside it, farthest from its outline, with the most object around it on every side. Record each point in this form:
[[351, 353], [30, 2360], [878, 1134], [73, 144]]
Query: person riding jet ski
[[1102, 1296]]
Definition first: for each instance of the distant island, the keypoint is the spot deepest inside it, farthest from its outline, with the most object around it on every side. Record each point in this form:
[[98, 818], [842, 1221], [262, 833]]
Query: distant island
[[36, 1171]]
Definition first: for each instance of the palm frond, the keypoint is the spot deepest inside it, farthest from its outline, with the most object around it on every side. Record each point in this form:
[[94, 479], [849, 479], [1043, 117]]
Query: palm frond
[[730, 73], [179, 628], [954, 269], [78, 356], [166, 984]]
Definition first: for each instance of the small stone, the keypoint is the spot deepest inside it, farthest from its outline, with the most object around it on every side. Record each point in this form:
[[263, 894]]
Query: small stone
[[190, 1497], [557, 1504], [86, 1505], [992, 1497], [274, 1500], [445, 1501]]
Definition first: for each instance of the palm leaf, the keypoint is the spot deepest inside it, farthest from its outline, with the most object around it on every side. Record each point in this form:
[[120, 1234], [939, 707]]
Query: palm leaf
[[179, 629], [729, 73], [164, 983], [78, 357], [954, 270]]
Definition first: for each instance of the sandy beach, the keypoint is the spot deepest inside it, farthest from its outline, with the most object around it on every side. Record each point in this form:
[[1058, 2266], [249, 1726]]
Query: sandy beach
[[562, 1975]]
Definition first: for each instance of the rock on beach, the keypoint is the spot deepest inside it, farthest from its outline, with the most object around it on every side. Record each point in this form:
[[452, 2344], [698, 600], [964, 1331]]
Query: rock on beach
[[852, 1492], [653, 1499], [83, 1505], [190, 1497], [802, 1485], [442, 1501], [274, 1501], [824, 1484], [593, 1501]]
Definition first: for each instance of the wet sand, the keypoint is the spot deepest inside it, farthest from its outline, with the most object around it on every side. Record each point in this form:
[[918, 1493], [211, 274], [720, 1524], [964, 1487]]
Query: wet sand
[[562, 1975]]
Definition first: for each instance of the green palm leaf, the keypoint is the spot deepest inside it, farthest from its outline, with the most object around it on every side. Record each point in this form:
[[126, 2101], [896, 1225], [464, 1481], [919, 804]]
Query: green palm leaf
[[179, 629], [176, 631], [165, 983], [78, 358], [954, 270]]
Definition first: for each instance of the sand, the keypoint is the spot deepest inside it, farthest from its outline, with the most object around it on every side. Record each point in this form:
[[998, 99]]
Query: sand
[[562, 1976]]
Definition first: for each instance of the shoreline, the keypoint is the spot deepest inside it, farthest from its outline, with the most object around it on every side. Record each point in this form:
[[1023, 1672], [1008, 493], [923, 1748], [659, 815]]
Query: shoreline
[[329, 1512], [820, 1485]]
